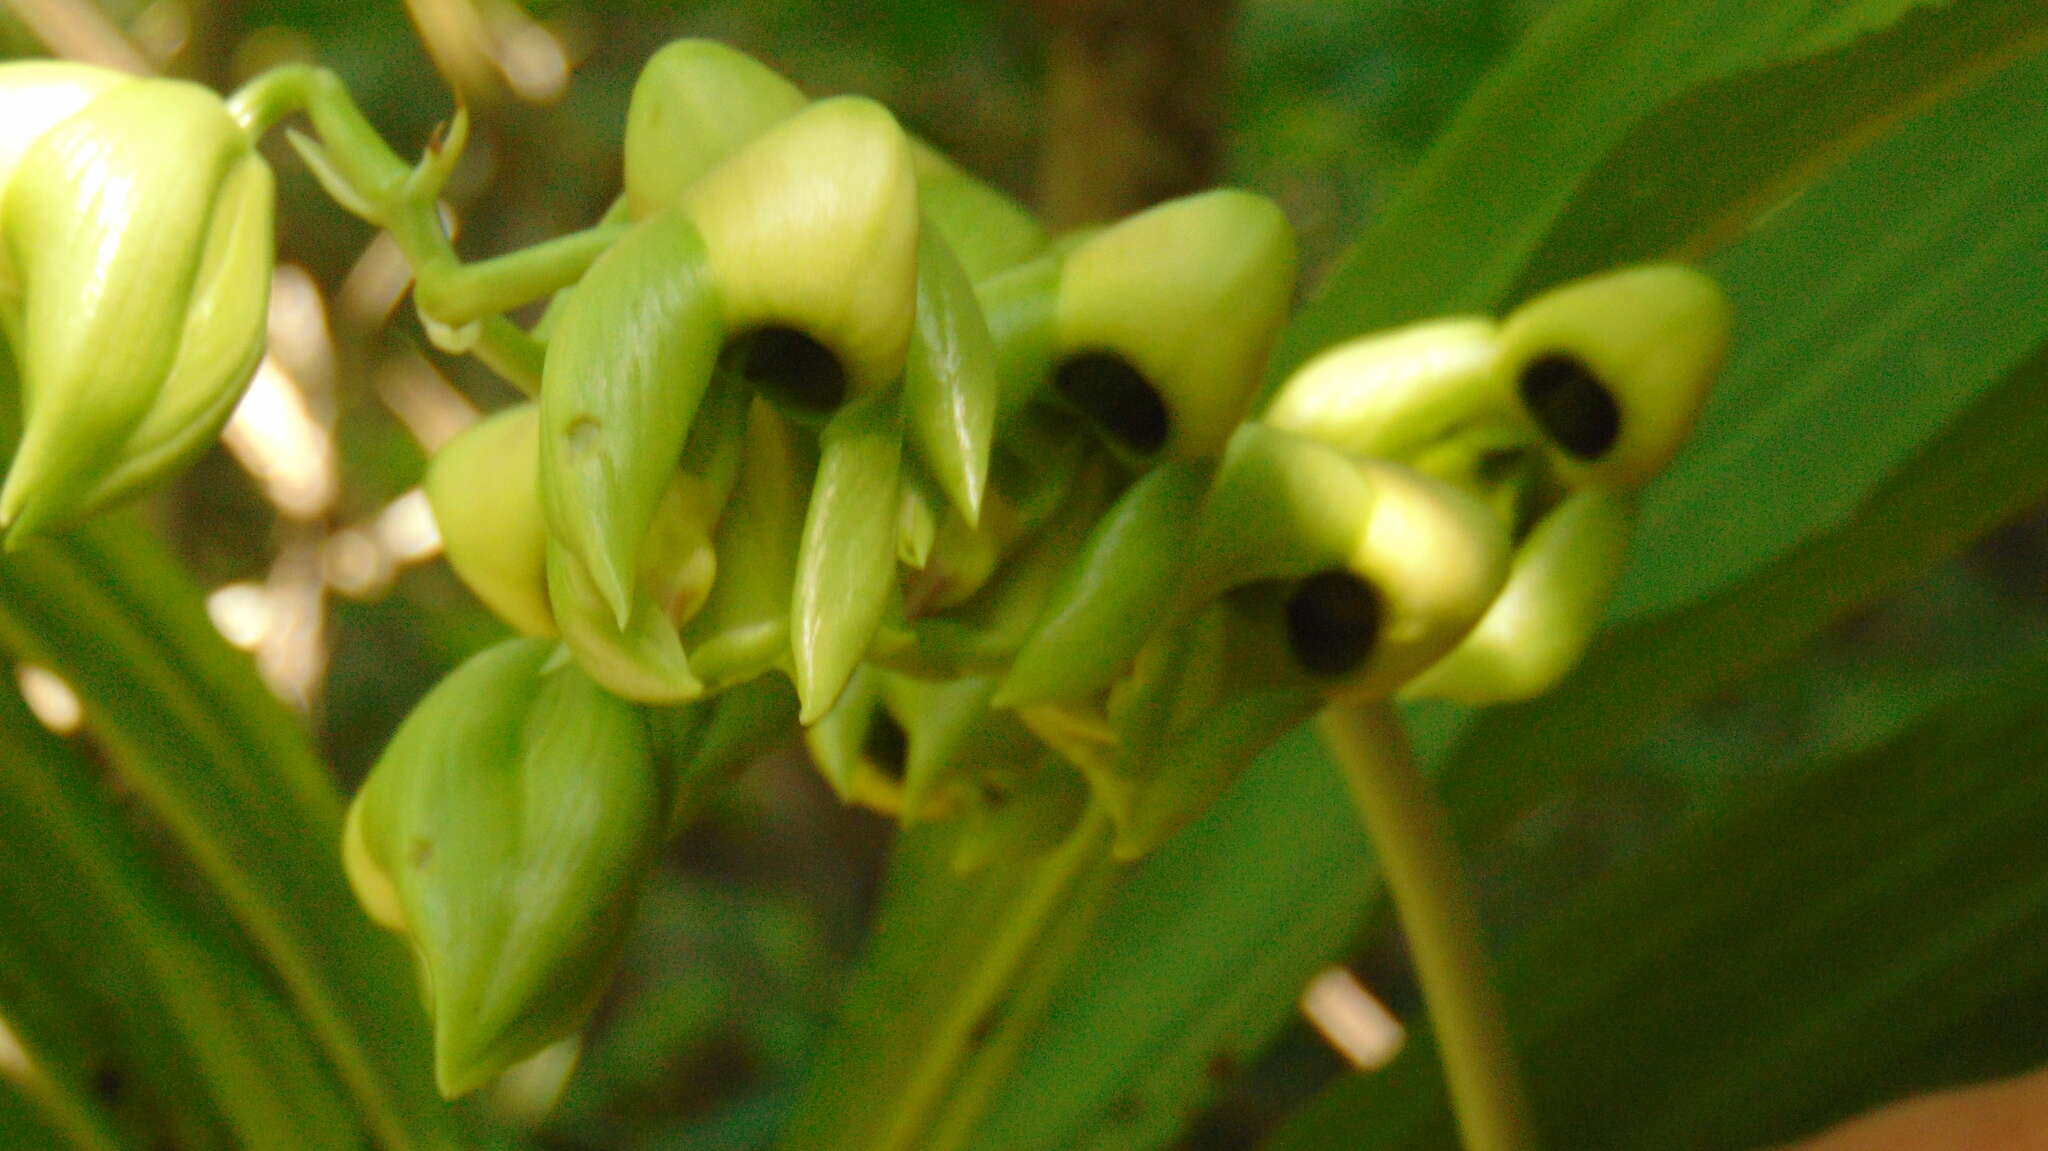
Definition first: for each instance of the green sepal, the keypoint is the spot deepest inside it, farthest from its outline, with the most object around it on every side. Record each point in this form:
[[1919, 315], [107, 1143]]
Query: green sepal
[[1537, 628], [1109, 601], [484, 488], [626, 370], [643, 660], [846, 563], [950, 383], [695, 103], [516, 811]]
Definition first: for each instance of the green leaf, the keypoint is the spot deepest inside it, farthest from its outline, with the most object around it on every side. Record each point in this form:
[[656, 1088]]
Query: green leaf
[[1870, 313], [1464, 228], [233, 776], [198, 1032], [1755, 974]]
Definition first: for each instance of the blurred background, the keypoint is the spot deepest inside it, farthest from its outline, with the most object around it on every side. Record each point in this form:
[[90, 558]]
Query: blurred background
[[308, 525]]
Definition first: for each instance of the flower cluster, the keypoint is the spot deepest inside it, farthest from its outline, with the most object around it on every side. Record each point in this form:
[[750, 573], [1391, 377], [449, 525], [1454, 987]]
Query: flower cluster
[[832, 437]]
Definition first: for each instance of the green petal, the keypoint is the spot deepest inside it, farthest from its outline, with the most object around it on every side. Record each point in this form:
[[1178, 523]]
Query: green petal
[[950, 384], [626, 370], [1556, 591], [1109, 602], [846, 566]]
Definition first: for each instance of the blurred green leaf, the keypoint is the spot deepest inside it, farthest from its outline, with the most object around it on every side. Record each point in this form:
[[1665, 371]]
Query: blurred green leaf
[[1870, 314], [1725, 988], [198, 1032], [1465, 226], [233, 776]]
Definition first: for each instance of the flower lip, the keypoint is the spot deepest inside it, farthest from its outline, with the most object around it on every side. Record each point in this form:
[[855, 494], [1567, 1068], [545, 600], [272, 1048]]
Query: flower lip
[[1333, 622], [1571, 404], [1116, 397]]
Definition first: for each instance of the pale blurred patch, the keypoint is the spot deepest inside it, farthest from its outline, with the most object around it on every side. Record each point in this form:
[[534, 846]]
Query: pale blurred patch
[[49, 698], [1355, 1023]]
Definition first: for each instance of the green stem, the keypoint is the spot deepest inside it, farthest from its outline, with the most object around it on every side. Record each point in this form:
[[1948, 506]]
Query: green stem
[[405, 201], [1412, 841], [920, 1104]]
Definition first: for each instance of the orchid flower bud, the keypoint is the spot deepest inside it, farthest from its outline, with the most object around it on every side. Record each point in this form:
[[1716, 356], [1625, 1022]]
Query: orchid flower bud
[[505, 831], [135, 281], [1546, 614], [1164, 319], [1613, 370], [812, 234], [484, 487], [695, 103]]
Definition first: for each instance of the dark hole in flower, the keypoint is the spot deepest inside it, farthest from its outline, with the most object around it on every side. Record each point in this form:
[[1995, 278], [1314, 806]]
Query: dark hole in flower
[[1109, 391], [1571, 405], [1333, 620], [885, 744], [109, 1083], [793, 369]]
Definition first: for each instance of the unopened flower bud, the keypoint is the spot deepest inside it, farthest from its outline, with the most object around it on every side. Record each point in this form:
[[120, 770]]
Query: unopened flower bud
[[506, 830], [136, 285]]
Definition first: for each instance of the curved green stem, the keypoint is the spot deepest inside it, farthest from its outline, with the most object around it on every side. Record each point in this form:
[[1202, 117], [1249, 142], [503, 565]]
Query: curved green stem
[[1416, 855], [404, 200]]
